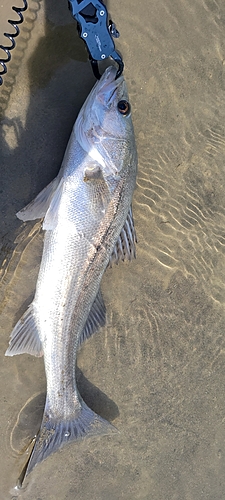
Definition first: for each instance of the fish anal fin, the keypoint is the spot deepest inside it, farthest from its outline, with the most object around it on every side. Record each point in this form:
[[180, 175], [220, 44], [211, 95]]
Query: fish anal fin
[[125, 246], [96, 318], [38, 207], [56, 433], [24, 337]]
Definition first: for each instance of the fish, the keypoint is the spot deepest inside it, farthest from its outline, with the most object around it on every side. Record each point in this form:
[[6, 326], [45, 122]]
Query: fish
[[88, 224]]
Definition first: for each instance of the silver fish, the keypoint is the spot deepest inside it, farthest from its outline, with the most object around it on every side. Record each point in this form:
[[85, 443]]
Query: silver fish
[[88, 223]]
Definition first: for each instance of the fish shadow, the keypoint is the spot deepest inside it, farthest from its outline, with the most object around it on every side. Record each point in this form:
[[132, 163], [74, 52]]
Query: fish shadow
[[30, 416], [97, 400]]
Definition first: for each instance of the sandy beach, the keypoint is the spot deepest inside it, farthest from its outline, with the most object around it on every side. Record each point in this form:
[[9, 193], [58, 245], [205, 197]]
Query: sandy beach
[[157, 369]]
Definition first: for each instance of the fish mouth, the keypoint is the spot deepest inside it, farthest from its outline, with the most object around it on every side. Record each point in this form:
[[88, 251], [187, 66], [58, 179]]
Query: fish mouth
[[91, 119], [108, 81], [106, 87]]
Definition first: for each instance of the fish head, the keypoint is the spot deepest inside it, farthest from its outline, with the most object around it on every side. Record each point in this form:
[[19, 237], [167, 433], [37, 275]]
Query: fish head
[[104, 126]]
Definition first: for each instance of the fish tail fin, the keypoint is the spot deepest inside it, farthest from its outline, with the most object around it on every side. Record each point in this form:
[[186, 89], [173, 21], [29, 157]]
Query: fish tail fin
[[55, 433]]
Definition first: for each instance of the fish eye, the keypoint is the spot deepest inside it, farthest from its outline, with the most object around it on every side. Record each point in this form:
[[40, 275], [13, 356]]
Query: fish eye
[[124, 107]]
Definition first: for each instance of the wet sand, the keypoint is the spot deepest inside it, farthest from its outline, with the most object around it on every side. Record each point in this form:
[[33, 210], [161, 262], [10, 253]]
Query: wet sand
[[157, 370]]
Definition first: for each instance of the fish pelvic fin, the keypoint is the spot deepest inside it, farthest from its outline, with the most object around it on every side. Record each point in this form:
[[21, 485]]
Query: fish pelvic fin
[[56, 433], [38, 207], [24, 337]]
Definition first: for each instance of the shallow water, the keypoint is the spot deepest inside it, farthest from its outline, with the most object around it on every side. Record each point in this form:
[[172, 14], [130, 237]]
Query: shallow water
[[157, 370]]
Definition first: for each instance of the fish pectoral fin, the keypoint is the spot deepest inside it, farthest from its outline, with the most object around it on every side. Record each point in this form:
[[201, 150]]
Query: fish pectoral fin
[[38, 207], [125, 245], [56, 433], [96, 318], [97, 188], [24, 337], [93, 173]]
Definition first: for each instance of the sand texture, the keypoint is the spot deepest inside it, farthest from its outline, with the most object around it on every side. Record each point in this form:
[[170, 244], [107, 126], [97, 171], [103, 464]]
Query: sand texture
[[157, 370]]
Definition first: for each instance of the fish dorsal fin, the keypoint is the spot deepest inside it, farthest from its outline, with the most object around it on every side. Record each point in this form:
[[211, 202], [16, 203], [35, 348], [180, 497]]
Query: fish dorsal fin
[[24, 337], [95, 319], [38, 207], [51, 217], [125, 246]]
